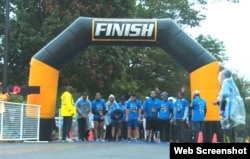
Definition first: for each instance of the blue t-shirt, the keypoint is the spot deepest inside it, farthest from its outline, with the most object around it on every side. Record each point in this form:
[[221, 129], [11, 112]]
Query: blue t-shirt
[[133, 107], [110, 106], [165, 109], [84, 105], [97, 107], [198, 109], [116, 114], [151, 108], [181, 108]]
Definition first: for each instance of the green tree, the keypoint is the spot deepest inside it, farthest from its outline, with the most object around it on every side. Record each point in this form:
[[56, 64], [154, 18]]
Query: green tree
[[111, 69], [38, 22], [183, 12], [213, 46]]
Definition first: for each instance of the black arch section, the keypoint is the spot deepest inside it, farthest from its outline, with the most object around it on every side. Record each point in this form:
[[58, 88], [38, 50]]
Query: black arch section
[[86, 31], [168, 36]]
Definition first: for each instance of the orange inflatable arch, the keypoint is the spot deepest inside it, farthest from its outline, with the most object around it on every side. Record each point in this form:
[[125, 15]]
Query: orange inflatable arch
[[86, 31]]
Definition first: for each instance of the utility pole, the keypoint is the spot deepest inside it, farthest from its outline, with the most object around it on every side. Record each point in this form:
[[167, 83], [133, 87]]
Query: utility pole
[[6, 46]]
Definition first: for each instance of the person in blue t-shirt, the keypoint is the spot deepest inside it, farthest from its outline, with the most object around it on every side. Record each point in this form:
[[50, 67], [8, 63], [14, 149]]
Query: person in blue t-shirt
[[83, 107], [199, 109], [164, 116], [116, 115], [98, 110], [181, 108], [133, 116], [151, 109], [124, 128]]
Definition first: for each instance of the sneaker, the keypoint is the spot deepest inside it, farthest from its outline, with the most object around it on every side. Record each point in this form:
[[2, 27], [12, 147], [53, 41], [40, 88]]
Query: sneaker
[[97, 140], [134, 139], [81, 140], [69, 140], [62, 140], [156, 140], [129, 139]]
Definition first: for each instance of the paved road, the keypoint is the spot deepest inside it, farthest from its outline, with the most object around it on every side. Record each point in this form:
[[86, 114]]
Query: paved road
[[84, 150]]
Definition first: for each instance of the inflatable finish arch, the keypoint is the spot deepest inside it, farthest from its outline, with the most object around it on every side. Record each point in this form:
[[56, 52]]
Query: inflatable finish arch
[[86, 31]]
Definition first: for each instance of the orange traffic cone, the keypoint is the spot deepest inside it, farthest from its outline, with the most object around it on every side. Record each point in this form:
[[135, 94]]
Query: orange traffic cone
[[214, 140], [91, 135], [200, 137]]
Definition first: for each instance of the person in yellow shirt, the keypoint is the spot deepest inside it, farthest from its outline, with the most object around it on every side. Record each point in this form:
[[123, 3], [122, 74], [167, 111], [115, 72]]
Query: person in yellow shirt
[[3, 97], [68, 111]]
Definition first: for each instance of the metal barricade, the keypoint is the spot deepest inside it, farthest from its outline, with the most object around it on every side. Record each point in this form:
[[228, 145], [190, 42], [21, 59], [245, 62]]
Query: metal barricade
[[19, 121]]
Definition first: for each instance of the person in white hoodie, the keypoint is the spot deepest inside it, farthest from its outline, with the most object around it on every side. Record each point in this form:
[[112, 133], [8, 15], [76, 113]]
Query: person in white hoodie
[[110, 104]]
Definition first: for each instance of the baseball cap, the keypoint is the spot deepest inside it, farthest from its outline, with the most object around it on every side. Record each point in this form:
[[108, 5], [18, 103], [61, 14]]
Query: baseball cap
[[164, 94], [69, 88], [122, 98]]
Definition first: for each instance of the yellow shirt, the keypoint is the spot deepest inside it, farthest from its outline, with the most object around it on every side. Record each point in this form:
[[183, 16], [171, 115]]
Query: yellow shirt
[[3, 97], [67, 105]]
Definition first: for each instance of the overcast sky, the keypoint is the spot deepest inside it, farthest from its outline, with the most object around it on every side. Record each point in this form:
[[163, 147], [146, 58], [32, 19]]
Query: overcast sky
[[230, 23]]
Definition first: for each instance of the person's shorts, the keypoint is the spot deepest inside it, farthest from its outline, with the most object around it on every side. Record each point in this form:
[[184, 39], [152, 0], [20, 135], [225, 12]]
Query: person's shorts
[[98, 120], [133, 123], [117, 124], [151, 124]]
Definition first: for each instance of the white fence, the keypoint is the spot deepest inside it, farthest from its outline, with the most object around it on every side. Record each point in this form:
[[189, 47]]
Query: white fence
[[19, 121]]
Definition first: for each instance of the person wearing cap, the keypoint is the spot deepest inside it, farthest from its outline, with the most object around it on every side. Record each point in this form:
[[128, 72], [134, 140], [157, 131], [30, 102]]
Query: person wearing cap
[[180, 115], [232, 108], [109, 105], [198, 108], [124, 127], [164, 116], [83, 106], [68, 111], [98, 110], [133, 117], [151, 109]]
